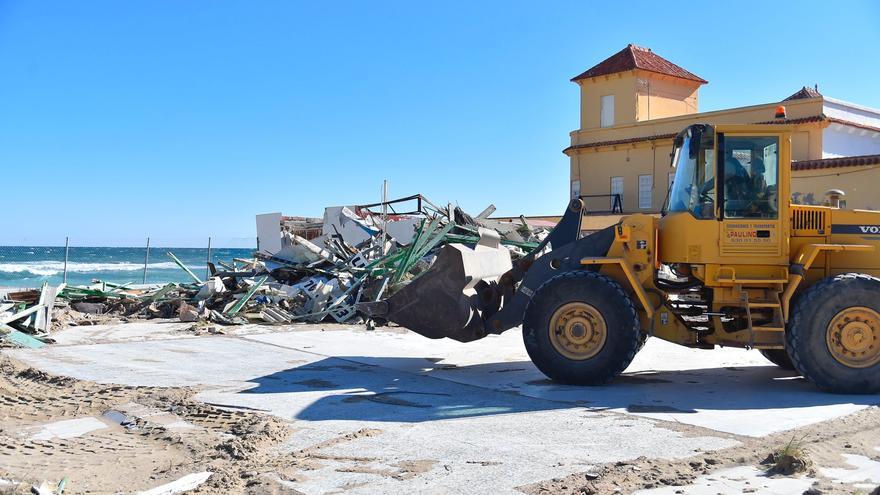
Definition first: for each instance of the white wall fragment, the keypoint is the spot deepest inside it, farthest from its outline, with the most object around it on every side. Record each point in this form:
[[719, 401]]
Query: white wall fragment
[[269, 232], [185, 484], [213, 285]]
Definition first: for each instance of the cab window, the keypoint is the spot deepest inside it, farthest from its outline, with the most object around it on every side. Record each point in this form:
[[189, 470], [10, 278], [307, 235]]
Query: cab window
[[693, 187], [751, 172]]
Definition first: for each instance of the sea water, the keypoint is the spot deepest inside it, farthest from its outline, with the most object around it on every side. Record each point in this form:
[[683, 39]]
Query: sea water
[[30, 266]]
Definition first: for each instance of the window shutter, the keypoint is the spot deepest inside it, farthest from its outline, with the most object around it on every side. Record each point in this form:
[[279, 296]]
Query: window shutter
[[646, 186]]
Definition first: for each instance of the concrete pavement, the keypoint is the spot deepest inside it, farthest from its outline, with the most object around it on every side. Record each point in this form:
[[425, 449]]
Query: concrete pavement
[[395, 412]]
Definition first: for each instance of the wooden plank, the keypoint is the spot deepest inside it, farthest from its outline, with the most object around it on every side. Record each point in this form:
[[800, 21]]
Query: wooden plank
[[21, 314]]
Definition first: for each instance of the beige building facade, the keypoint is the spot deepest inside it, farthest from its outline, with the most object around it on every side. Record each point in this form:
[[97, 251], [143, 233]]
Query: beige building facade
[[633, 104]]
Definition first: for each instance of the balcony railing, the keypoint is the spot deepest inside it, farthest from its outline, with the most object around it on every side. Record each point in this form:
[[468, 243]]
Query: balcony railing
[[602, 204]]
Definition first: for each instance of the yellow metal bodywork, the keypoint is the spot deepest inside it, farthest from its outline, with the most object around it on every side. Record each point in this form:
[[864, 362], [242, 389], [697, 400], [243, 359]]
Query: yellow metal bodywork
[[631, 280], [806, 257], [755, 277]]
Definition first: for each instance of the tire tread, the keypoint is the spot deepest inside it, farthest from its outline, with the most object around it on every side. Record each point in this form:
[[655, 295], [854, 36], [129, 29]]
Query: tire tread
[[634, 345], [809, 299]]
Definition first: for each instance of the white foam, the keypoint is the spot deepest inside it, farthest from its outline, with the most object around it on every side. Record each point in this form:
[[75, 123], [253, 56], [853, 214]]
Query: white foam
[[49, 268]]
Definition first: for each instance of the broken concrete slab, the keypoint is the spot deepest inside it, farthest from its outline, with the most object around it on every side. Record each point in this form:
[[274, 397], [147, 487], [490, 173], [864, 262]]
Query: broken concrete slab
[[184, 484], [209, 360], [735, 481], [68, 428], [488, 454], [155, 416], [19, 338], [861, 470], [123, 332]]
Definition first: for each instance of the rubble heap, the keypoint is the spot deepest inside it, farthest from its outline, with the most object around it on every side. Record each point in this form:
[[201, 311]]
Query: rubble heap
[[303, 270]]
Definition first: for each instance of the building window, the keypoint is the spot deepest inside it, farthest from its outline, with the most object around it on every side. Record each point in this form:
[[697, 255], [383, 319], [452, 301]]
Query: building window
[[575, 189], [606, 111], [616, 189], [646, 189]]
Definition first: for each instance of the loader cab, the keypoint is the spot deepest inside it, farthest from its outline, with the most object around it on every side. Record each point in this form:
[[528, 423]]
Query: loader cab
[[693, 187], [729, 197]]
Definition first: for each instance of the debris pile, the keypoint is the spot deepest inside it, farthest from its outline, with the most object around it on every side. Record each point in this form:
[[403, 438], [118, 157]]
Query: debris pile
[[304, 269], [26, 316], [44, 488], [365, 254]]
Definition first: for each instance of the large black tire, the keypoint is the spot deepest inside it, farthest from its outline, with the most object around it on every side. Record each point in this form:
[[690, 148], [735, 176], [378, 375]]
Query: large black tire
[[779, 357], [623, 337], [810, 320], [643, 339]]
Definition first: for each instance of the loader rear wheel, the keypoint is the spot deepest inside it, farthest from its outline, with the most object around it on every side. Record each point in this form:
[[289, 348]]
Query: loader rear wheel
[[779, 357], [581, 328], [834, 334]]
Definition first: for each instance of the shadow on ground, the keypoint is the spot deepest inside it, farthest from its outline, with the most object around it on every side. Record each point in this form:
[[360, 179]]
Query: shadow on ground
[[404, 390]]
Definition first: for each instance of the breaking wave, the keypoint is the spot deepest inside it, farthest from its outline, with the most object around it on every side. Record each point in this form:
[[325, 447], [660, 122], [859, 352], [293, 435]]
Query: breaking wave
[[50, 268]]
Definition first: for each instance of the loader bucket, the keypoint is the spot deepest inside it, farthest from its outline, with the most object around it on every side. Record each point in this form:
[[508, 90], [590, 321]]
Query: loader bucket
[[442, 301]]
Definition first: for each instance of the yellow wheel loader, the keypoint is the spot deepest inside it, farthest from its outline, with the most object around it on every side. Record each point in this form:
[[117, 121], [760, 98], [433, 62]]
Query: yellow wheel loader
[[730, 262]]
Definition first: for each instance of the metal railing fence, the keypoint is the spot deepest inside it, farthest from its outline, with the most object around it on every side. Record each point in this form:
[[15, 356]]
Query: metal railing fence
[[79, 261]]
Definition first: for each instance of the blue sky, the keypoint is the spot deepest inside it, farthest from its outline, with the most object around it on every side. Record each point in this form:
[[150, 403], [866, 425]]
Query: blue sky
[[183, 119]]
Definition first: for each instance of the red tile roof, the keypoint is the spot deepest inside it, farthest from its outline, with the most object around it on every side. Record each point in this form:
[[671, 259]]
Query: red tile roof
[[845, 161], [636, 57], [853, 124], [804, 94], [802, 120], [620, 141]]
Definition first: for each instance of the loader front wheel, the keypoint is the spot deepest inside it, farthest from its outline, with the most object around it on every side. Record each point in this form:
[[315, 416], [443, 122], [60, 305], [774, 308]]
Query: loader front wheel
[[834, 334], [581, 328]]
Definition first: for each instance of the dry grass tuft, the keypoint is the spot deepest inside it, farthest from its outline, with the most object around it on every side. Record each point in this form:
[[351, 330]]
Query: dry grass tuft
[[788, 460]]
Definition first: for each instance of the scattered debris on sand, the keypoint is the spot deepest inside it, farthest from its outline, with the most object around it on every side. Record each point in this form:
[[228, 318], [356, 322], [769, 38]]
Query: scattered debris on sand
[[137, 439]]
